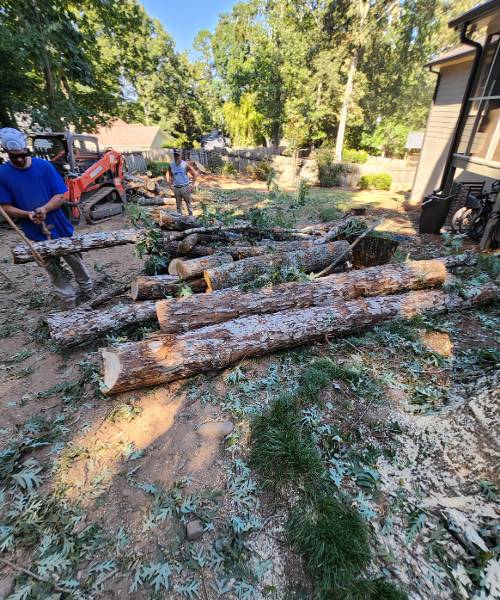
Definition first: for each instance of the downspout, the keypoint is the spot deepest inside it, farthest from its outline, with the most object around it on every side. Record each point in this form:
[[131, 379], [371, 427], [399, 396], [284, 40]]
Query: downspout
[[438, 81], [449, 171]]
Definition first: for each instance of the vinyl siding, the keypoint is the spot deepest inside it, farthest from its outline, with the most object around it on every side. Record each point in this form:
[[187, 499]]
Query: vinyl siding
[[440, 128]]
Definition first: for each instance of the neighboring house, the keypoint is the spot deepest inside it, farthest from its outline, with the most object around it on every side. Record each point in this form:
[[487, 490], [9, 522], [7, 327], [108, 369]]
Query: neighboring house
[[214, 139], [126, 137], [462, 136]]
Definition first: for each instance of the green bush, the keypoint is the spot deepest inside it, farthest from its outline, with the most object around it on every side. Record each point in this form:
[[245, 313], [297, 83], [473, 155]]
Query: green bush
[[376, 181], [262, 170], [354, 156], [215, 162], [329, 171], [158, 168], [229, 169]]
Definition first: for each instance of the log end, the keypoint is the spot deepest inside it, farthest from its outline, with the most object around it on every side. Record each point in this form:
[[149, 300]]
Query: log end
[[112, 368], [134, 290], [208, 281]]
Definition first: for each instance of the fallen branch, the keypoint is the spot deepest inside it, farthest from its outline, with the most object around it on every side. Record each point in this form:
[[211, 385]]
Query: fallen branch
[[34, 575], [330, 267]]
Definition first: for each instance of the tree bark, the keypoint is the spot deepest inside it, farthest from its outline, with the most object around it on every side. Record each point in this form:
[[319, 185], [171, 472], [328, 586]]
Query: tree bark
[[159, 286], [176, 221], [199, 311], [78, 243], [310, 259], [75, 327], [167, 358], [153, 201], [196, 266], [344, 110]]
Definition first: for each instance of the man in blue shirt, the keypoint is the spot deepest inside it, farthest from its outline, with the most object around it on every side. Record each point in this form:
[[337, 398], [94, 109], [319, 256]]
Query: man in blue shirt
[[32, 191]]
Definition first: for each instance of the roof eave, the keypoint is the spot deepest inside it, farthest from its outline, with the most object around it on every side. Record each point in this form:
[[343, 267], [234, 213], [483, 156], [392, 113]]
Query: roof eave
[[476, 15]]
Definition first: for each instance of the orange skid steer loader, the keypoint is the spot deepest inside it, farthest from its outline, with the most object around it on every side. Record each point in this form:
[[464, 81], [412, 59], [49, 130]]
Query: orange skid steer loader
[[94, 180]]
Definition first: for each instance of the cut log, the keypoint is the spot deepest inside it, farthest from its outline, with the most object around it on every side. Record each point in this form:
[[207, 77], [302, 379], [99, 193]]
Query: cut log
[[190, 241], [199, 311], [173, 265], [151, 185], [153, 201], [167, 358], [78, 243], [308, 260], [176, 221], [79, 326], [197, 266], [158, 286]]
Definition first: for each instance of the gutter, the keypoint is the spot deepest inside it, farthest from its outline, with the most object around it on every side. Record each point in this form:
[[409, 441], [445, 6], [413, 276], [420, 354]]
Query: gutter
[[449, 171], [438, 81]]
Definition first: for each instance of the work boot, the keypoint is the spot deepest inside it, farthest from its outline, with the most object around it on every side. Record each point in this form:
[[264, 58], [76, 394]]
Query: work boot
[[85, 295], [68, 303]]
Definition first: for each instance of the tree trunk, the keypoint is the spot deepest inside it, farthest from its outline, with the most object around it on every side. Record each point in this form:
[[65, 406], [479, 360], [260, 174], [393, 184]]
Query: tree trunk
[[78, 243], [191, 313], [153, 201], [195, 267], [74, 327], [344, 110], [159, 286], [176, 221], [190, 241], [167, 358], [173, 265], [310, 259]]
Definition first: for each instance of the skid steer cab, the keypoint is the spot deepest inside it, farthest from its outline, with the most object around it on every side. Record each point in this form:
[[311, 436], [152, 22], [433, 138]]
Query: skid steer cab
[[94, 179]]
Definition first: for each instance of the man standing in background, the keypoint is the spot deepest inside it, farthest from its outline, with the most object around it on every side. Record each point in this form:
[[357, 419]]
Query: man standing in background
[[32, 191], [177, 178]]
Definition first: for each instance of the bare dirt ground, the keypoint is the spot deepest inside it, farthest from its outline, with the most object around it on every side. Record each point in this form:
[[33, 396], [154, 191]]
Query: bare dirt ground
[[96, 492]]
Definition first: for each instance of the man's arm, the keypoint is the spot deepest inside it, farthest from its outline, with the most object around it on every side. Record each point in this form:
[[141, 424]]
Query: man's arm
[[17, 213], [193, 175], [168, 176], [54, 203]]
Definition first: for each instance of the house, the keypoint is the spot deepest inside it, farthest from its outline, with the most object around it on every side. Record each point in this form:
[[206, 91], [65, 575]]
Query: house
[[214, 139], [462, 136], [126, 137]]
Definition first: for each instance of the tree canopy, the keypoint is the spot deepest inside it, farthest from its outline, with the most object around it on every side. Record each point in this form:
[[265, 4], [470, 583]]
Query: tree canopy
[[301, 72]]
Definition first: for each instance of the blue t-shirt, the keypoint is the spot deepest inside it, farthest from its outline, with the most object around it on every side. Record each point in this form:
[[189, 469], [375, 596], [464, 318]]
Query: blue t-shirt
[[31, 188]]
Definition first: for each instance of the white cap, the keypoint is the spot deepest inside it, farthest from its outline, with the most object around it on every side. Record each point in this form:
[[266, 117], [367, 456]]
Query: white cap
[[12, 139]]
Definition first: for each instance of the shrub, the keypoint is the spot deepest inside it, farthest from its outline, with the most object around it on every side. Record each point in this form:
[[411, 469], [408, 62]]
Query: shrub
[[329, 171], [355, 156], [158, 168], [376, 181], [229, 169], [215, 162], [262, 170]]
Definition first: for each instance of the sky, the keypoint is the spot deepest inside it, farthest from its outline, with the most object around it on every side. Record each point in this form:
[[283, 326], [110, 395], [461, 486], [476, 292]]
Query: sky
[[184, 18]]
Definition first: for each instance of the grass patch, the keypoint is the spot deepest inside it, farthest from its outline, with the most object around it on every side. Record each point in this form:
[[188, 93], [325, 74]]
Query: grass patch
[[333, 540], [329, 213], [283, 450], [374, 590], [316, 377]]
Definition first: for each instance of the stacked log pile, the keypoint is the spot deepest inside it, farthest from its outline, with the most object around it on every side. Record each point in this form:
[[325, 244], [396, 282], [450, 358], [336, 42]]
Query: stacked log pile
[[166, 358]]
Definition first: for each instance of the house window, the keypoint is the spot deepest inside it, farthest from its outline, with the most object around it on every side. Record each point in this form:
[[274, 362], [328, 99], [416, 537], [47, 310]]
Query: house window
[[481, 133]]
